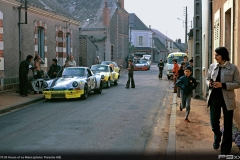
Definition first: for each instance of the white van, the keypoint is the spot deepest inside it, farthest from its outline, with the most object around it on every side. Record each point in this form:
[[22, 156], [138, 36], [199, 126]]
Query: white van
[[169, 66], [148, 58]]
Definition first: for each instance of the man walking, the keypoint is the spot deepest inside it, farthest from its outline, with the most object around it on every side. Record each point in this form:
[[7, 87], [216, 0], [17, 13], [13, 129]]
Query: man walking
[[23, 75], [160, 66], [130, 75]]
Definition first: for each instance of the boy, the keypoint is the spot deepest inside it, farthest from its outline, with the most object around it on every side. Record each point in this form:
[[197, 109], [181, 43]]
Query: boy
[[160, 66], [175, 74], [186, 83]]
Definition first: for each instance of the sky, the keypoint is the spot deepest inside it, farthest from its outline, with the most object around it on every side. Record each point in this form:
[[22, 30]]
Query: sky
[[162, 15]]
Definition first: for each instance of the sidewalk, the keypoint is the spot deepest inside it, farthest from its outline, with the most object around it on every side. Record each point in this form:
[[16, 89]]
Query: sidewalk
[[196, 137]]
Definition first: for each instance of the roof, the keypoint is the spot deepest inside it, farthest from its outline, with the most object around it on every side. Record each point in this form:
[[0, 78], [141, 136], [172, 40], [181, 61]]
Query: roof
[[89, 12], [51, 6], [136, 23], [159, 44], [180, 46]]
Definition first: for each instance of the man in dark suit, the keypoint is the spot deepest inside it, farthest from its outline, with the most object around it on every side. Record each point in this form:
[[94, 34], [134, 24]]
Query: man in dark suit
[[23, 75]]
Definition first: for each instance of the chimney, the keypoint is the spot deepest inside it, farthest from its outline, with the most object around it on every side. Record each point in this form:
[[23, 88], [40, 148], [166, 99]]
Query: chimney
[[121, 3], [179, 40], [106, 15]]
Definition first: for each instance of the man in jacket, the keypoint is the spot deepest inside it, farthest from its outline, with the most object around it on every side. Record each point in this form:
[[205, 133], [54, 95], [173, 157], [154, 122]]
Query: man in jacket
[[54, 69], [222, 78], [23, 75], [161, 67], [130, 74]]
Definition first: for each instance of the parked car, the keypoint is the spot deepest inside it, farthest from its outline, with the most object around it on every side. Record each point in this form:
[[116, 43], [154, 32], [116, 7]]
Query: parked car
[[73, 82], [114, 66], [142, 65], [110, 76]]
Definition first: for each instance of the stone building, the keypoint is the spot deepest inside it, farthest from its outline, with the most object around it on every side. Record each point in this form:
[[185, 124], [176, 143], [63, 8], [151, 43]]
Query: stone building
[[47, 30], [87, 51], [105, 22], [221, 27]]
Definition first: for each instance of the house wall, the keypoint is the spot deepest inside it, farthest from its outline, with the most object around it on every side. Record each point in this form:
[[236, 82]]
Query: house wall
[[9, 73], [147, 37]]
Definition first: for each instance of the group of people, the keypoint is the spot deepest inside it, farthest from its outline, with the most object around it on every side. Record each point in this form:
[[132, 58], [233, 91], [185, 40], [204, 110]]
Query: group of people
[[222, 78], [38, 72]]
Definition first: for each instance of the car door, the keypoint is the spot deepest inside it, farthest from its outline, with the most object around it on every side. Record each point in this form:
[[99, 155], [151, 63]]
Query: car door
[[92, 80]]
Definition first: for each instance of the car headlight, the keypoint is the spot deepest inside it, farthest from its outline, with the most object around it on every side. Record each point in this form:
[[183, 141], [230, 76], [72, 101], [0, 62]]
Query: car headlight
[[45, 84], [75, 84], [102, 76]]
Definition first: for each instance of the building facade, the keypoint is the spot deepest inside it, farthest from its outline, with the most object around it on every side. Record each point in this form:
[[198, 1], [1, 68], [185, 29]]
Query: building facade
[[44, 31]]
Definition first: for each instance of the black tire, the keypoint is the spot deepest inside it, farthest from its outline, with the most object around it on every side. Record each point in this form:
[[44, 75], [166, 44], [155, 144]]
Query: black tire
[[119, 74], [108, 83], [116, 82], [99, 90], [85, 95]]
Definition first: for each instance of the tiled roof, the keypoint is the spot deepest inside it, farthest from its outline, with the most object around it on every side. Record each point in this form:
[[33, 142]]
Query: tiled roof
[[89, 12], [180, 46], [159, 44], [136, 23], [51, 6]]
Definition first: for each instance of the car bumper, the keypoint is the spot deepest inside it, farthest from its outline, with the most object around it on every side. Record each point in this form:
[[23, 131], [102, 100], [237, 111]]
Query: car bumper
[[141, 68], [63, 94]]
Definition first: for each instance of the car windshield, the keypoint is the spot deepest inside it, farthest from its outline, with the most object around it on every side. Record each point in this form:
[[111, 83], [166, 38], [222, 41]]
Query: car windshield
[[108, 63], [99, 68], [142, 61], [73, 72], [179, 60]]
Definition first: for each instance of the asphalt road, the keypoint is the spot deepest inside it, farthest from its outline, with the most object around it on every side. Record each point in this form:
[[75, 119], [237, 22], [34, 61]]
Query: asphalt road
[[117, 121]]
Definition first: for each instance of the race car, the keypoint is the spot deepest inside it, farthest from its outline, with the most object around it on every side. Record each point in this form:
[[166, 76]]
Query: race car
[[73, 82], [141, 65], [110, 76], [113, 65]]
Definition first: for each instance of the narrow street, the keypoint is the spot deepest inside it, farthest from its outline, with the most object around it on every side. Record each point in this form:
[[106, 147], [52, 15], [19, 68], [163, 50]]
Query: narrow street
[[117, 121]]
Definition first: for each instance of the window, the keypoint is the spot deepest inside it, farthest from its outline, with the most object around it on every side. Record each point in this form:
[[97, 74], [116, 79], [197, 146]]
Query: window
[[41, 46], [167, 44], [68, 45], [140, 40]]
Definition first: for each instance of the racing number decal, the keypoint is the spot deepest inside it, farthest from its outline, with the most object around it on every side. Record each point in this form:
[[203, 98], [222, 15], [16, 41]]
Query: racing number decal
[[39, 84]]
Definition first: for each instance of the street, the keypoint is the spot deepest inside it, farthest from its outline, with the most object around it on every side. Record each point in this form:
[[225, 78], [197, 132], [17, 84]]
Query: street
[[117, 121]]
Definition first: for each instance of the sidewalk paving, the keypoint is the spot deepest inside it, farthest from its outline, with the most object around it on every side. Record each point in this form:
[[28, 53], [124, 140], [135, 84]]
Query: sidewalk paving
[[196, 137]]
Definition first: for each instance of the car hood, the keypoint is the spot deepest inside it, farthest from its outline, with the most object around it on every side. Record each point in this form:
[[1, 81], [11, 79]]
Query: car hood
[[63, 83]]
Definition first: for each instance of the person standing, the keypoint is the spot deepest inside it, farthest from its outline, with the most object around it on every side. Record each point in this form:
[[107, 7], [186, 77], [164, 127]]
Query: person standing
[[130, 74], [186, 83], [54, 69], [175, 74], [23, 75], [180, 74], [37, 71], [191, 65], [222, 78], [72, 62], [66, 64], [161, 67], [185, 59]]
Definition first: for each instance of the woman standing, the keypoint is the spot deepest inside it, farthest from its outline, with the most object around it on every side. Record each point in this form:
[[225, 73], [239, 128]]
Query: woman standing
[[222, 79], [71, 62]]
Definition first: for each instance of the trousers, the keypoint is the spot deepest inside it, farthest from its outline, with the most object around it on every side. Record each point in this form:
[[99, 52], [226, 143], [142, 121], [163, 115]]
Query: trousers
[[130, 78]]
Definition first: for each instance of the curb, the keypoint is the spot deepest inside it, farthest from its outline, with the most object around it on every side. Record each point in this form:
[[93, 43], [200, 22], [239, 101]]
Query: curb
[[8, 109], [171, 148]]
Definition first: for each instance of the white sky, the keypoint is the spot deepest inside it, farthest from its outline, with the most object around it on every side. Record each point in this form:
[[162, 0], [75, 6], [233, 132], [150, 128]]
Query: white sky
[[162, 15]]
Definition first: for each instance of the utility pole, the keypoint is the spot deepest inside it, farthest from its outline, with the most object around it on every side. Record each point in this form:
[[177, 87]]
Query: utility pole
[[186, 19]]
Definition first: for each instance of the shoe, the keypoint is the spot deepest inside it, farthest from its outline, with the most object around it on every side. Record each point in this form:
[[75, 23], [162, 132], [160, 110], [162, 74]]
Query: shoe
[[40, 92], [24, 95], [187, 120], [216, 145], [132, 87], [127, 87]]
